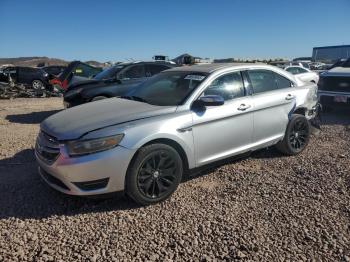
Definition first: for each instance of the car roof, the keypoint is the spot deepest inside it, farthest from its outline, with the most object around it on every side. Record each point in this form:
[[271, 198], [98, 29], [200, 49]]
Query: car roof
[[210, 68], [145, 62]]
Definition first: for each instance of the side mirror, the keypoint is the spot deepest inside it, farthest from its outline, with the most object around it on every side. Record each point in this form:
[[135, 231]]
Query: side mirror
[[209, 100]]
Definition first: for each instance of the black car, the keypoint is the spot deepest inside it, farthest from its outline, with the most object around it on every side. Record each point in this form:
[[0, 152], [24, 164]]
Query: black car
[[113, 81], [334, 86], [35, 78], [54, 70], [341, 63]]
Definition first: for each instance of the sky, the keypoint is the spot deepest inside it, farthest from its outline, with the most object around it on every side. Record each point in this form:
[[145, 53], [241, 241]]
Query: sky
[[118, 30]]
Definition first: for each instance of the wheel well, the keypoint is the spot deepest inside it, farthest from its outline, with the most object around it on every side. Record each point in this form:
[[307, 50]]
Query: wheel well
[[300, 111], [174, 145]]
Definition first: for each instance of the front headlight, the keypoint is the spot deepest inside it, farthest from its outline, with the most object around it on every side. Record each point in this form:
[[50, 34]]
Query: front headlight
[[84, 147]]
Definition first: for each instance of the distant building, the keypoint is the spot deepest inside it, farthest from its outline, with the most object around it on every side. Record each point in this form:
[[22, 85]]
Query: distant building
[[330, 54], [161, 58]]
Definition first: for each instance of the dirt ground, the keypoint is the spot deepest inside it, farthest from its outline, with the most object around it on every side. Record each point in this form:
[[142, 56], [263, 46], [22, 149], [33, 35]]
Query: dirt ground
[[266, 207]]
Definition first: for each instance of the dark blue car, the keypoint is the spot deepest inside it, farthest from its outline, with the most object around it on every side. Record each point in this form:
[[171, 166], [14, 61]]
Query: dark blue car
[[114, 81]]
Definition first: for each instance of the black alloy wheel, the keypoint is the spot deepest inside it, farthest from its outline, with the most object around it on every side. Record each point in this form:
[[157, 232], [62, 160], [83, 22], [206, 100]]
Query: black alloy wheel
[[157, 174], [296, 137], [154, 174], [299, 134]]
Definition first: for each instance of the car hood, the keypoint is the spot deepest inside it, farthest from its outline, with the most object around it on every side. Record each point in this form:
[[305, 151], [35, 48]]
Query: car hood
[[77, 121]]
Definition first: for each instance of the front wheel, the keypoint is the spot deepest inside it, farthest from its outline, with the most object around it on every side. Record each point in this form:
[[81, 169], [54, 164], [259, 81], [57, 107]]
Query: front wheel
[[154, 174], [297, 136]]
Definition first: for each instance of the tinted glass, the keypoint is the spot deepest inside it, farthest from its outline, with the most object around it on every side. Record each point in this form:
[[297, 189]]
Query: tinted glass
[[228, 86], [54, 70], [27, 70], [306, 65], [169, 88], [262, 80], [155, 69], [346, 63], [109, 73], [136, 71], [282, 82], [265, 80]]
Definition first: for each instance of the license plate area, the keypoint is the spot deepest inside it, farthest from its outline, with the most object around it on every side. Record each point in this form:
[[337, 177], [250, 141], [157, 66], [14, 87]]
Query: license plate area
[[340, 99]]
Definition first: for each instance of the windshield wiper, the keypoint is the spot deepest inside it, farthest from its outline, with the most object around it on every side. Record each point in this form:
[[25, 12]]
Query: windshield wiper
[[135, 98]]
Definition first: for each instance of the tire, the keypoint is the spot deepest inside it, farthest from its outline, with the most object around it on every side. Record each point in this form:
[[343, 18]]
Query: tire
[[96, 98], [154, 174], [37, 84], [297, 136]]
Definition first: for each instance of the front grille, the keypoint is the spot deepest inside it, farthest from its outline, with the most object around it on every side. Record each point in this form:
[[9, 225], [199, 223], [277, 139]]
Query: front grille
[[47, 147], [334, 83], [53, 180]]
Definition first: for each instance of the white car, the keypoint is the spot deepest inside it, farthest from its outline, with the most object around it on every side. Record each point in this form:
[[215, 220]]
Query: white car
[[297, 63], [303, 74]]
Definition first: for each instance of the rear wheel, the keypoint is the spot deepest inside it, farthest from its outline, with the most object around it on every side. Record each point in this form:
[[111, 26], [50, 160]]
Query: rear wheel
[[296, 137], [154, 174]]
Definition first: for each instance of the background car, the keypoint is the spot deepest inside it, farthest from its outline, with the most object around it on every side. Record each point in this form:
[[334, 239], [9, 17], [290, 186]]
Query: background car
[[334, 87], [76, 71], [296, 63], [117, 80], [35, 78], [303, 74], [54, 70], [341, 63]]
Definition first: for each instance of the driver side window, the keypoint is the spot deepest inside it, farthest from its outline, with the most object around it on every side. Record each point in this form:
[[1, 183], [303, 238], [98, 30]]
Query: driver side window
[[228, 86]]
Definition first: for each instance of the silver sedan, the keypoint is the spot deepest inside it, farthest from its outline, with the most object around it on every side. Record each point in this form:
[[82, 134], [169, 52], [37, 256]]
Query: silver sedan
[[181, 119]]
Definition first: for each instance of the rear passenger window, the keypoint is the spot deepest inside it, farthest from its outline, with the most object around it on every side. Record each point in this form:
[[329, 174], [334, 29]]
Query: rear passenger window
[[282, 82], [155, 69], [265, 80], [228, 86], [262, 80], [133, 72]]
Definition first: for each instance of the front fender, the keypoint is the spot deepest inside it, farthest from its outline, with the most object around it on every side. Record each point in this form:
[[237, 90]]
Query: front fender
[[136, 136]]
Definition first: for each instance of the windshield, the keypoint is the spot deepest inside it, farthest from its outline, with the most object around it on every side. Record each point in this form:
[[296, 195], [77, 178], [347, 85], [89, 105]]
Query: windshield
[[168, 88], [109, 72]]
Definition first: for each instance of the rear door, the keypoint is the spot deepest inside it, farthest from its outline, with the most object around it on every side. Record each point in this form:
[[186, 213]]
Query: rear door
[[226, 130], [274, 100]]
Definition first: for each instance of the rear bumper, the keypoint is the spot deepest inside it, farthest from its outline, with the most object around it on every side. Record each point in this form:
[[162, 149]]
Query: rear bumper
[[94, 174]]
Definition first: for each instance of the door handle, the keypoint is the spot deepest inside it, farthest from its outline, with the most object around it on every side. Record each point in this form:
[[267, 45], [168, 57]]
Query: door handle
[[290, 97], [243, 107]]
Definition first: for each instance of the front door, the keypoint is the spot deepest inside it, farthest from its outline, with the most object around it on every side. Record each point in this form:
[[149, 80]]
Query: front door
[[226, 130]]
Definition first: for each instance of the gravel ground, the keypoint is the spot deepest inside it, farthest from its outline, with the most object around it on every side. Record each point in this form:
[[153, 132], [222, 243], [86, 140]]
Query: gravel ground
[[265, 207]]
